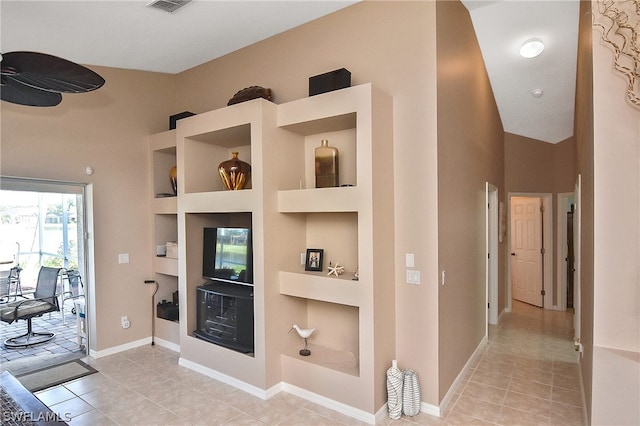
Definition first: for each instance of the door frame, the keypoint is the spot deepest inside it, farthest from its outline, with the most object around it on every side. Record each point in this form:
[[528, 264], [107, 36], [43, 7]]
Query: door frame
[[548, 244], [491, 269], [88, 279], [577, 263], [565, 199]]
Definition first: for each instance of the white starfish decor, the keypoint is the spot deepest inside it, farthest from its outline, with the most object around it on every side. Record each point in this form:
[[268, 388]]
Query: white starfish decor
[[336, 270]]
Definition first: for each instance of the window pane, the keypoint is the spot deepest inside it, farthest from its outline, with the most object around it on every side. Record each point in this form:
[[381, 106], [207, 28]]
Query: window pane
[[40, 229]]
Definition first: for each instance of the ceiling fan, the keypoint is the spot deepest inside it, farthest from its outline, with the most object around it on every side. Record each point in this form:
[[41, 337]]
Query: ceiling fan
[[38, 79]]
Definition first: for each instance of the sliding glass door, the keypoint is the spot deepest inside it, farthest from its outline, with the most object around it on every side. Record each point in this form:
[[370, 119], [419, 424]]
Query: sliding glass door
[[46, 223], [41, 225]]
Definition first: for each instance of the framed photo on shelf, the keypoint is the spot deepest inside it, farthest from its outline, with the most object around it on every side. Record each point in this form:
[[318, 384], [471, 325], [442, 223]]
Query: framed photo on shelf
[[313, 260]]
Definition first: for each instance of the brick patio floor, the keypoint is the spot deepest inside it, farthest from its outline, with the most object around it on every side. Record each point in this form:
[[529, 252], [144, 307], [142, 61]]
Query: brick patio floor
[[64, 342]]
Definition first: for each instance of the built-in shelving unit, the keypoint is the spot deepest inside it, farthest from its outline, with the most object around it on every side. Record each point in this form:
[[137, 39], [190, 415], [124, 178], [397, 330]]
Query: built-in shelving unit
[[354, 319], [164, 208], [354, 225]]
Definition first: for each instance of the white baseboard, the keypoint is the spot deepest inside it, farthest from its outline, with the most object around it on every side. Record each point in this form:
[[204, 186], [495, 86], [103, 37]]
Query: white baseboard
[[585, 415], [120, 348], [447, 398], [432, 410], [167, 344], [504, 311], [221, 377], [341, 408], [286, 387]]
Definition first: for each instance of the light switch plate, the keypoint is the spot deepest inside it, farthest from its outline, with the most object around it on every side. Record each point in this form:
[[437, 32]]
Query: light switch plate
[[409, 260]]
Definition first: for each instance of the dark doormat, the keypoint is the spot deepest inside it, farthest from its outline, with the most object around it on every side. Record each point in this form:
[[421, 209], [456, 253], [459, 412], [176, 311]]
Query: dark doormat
[[55, 374], [28, 364]]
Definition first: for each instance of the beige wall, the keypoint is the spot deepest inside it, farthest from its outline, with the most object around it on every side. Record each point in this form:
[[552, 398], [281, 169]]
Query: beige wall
[[538, 167], [583, 132], [392, 45], [470, 153], [106, 129], [535, 166], [616, 245], [607, 131]]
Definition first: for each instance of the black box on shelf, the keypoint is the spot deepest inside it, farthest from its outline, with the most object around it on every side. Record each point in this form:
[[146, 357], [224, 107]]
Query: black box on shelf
[[327, 82], [167, 310], [174, 118]]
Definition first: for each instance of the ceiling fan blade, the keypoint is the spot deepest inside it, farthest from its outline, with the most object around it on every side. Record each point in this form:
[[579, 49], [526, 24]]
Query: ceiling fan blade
[[24, 95], [50, 73]]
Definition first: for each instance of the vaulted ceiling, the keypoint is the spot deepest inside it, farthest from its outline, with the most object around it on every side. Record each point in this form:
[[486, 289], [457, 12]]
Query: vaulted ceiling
[[127, 34], [501, 28]]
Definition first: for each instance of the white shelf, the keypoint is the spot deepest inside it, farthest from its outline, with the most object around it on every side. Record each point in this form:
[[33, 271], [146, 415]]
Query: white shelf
[[318, 286], [341, 199], [229, 137], [328, 112], [321, 356], [165, 205], [219, 201], [165, 265], [163, 141]]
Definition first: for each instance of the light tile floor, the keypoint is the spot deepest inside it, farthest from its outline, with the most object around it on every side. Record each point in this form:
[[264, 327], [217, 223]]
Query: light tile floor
[[526, 374]]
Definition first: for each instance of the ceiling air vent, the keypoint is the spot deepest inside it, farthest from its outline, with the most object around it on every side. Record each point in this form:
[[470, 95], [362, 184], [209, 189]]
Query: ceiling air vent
[[168, 5]]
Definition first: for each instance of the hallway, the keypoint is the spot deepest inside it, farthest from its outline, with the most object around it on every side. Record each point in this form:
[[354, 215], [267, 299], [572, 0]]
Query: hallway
[[528, 373]]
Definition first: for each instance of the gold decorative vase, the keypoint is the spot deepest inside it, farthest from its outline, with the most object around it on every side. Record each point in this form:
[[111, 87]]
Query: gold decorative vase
[[326, 165], [173, 176], [234, 173]]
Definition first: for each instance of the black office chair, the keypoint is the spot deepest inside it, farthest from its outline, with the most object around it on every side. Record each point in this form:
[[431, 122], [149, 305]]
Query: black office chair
[[44, 300]]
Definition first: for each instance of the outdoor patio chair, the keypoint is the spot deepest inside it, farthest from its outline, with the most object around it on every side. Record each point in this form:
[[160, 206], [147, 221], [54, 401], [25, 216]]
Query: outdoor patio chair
[[44, 300], [73, 290], [9, 280]]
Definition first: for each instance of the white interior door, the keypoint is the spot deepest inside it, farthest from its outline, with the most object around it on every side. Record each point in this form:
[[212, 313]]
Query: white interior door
[[526, 250]]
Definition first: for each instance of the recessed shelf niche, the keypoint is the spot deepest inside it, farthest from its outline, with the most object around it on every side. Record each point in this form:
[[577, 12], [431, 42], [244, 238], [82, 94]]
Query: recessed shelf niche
[[194, 227], [336, 343], [204, 152]]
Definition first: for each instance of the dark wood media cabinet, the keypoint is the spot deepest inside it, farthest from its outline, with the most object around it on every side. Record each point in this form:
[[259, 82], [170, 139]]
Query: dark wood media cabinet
[[225, 315]]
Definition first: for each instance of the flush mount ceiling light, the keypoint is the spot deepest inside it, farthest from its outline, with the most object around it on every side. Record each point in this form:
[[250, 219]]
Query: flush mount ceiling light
[[536, 93], [531, 48]]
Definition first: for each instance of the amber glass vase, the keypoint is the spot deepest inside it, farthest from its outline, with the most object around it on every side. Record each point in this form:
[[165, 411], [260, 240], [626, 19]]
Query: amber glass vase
[[326, 165], [234, 173], [173, 177]]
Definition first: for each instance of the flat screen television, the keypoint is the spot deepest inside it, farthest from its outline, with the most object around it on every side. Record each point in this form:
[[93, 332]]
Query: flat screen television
[[228, 255]]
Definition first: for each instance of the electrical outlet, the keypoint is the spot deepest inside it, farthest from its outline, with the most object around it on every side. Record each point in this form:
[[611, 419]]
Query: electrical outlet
[[413, 276], [124, 321]]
